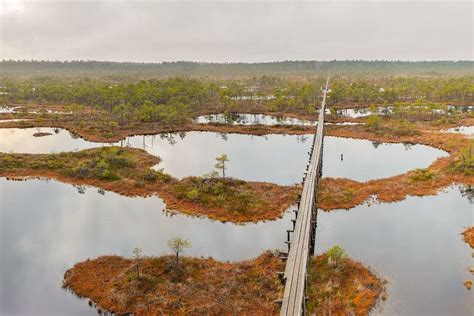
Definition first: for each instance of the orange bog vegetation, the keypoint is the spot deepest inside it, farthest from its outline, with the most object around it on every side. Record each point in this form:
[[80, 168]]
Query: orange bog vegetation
[[201, 286], [468, 236], [195, 287], [347, 288]]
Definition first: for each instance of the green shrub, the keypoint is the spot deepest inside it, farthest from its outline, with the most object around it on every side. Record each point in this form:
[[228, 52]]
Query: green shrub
[[422, 175], [10, 162], [192, 195], [80, 171], [231, 194], [149, 175], [335, 255], [465, 163], [108, 175], [373, 122], [55, 164]]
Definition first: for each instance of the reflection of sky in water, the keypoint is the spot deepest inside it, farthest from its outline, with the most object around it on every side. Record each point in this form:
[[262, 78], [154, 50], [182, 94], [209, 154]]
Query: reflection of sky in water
[[272, 158], [466, 130], [7, 109], [47, 227], [364, 160], [13, 120], [416, 244], [360, 112], [251, 119]]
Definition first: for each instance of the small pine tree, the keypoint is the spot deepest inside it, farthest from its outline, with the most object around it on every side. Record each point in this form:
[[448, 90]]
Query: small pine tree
[[220, 165], [137, 252], [178, 245]]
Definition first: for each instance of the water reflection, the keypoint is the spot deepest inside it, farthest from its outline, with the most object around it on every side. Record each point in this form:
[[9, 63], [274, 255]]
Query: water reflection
[[468, 192], [466, 130], [13, 120], [46, 227], [386, 110], [7, 109], [416, 244], [251, 119], [273, 158], [365, 160]]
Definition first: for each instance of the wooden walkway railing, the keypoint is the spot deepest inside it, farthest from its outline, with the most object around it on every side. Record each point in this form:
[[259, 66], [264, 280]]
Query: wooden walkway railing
[[301, 247]]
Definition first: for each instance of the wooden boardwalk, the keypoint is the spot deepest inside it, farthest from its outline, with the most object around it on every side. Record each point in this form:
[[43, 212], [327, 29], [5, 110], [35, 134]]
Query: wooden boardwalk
[[301, 247]]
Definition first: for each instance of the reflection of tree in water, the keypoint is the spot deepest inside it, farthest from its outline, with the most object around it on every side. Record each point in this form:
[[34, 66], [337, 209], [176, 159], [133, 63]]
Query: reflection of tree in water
[[467, 191], [125, 142], [230, 118], [301, 138], [210, 118], [361, 111], [279, 119], [407, 146], [170, 138], [81, 189], [224, 136], [384, 110], [376, 144]]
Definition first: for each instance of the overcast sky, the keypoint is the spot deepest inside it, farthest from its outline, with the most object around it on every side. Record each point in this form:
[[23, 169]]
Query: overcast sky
[[220, 31]]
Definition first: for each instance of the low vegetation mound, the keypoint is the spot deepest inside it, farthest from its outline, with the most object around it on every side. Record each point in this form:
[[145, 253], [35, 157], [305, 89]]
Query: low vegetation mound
[[468, 236], [41, 134], [338, 285], [232, 195], [194, 287], [128, 171], [100, 164], [198, 286]]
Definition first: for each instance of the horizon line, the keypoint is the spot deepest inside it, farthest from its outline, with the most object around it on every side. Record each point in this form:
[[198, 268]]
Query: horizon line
[[65, 61]]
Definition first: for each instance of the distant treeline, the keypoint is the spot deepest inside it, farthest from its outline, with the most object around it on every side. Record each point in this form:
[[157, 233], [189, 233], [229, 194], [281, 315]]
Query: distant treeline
[[177, 99], [222, 70]]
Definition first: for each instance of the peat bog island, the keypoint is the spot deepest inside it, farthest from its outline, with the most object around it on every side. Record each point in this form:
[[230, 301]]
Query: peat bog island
[[257, 181]]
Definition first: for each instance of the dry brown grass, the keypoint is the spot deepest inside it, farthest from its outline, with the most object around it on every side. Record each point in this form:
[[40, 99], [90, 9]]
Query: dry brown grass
[[468, 236], [346, 289], [197, 287], [207, 287]]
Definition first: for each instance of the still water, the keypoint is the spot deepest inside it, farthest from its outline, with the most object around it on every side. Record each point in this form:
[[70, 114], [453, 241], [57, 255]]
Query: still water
[[251, 119], [416, 244], [273, 158], [46, 227], [466, 130], [361, 112]]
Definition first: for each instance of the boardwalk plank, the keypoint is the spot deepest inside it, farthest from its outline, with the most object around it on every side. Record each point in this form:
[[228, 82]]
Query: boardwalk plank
[[295, 271]]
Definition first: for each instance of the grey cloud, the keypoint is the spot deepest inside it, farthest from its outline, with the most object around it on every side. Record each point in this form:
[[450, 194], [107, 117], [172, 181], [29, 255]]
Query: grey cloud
[[236, 31]]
